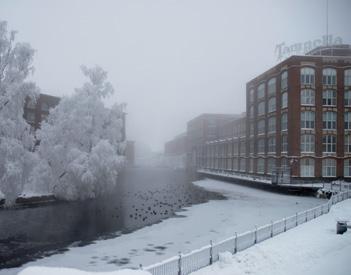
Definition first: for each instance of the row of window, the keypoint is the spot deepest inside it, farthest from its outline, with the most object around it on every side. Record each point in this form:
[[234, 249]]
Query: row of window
[[307, 166], [329, 97], [307, 77]]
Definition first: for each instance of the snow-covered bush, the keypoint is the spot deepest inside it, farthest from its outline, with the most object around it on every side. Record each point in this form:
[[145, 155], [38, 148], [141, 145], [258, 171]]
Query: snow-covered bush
[[16, 138], [81, 142]]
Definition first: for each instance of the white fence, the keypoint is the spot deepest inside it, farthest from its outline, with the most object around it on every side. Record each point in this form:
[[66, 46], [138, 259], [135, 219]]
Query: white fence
[[184, 264]]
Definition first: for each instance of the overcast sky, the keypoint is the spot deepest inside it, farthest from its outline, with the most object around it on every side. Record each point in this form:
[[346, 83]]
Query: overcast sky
[[169, 60]]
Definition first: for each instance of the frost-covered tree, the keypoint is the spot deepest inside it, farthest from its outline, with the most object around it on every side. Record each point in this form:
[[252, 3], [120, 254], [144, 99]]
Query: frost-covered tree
[[16, 139], [81, 142]]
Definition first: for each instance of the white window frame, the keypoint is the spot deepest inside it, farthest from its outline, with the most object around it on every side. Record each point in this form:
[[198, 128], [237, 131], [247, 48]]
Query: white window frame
[[307, 76], [284, 81], [260, 165], [329, 144], [261, 91], [272, 86], [307, 143], [284, 100], [272, 106], [329, 120], [284, 122], [307, 167], [308, 97], [271, 145], [329, 98], [347, 77], [272, 124], [284, 144], [261, 108], [347, 168], [347, 143], [329, 167], [329, 76], [347, 120], [347, 98], [307, 120]]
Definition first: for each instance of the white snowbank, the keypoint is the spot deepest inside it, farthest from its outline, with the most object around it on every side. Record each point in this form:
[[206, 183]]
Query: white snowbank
[[311, 248], [37, 270]]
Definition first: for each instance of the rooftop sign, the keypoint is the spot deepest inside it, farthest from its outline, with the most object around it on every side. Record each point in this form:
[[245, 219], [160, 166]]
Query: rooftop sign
[[283, 50]]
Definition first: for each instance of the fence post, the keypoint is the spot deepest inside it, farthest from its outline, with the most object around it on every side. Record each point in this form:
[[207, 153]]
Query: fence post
[[211, 252], [284, 224], [340, 185], [140, 266], [236, 243], [255, 234], [296, 219], [180, 263], [314, 213], [306, 216], [271, 229]]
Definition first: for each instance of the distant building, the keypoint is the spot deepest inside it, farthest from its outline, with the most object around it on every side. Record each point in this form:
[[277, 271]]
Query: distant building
[[36, 112], [175, 151], [200, 130]]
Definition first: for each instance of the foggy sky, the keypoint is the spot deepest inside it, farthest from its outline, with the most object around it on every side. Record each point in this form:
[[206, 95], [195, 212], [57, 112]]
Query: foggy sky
[[169, 60]]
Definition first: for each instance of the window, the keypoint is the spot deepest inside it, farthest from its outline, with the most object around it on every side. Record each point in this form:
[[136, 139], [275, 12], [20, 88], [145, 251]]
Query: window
[[347, 98], [271, 124], [307, 167], [307, 76], [329, 167], [272, 86], [252, 114], [329, 76], [271, 145], [251, 165], [252, 128], [347, 168], [261, 108], [260, 146], [242, 165], [329, 144], [347, 120], [284, 122], [307, 97], [242, 147], [329, 120], [251, 95], [252, 146], [307, 120], [30, 116], [260, 166], [284, 81], [284, 163], [307, 143], [347, 77], [271, 105], [260, 91], [45, 107], [235, 164], [235, 148], [261, 127], [284, 100], [329, 98], [270, 165], [284, 143], [347, 143]]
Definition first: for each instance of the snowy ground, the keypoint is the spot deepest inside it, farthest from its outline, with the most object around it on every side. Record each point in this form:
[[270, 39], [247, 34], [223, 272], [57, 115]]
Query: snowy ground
[[190, 229], [312, 248]]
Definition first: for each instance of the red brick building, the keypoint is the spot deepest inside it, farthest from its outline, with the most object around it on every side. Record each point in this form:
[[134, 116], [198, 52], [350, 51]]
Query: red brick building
[[298, 116]]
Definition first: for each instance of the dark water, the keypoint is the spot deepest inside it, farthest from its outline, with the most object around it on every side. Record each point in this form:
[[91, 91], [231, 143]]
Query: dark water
[[144, 196]]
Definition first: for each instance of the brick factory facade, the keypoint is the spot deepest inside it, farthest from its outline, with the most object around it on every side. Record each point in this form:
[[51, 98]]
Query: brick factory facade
[[298, 119]]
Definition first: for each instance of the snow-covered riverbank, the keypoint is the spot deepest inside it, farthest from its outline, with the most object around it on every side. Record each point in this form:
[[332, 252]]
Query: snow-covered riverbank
[[312, 248], [190, 229]]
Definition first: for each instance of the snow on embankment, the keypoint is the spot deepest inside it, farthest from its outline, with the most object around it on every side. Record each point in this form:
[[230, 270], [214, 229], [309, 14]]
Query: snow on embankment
[[311, 248], [36, 270]]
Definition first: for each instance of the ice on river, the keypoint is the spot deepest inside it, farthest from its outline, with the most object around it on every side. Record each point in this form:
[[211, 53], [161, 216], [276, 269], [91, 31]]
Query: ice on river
[[191, 228]]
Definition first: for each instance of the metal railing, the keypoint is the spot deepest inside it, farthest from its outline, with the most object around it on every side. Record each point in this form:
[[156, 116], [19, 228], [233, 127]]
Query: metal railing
[[184, 264]]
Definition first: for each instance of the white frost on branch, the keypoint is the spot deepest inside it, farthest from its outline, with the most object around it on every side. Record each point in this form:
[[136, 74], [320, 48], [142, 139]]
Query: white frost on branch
[[16, 138], [81, 142]]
